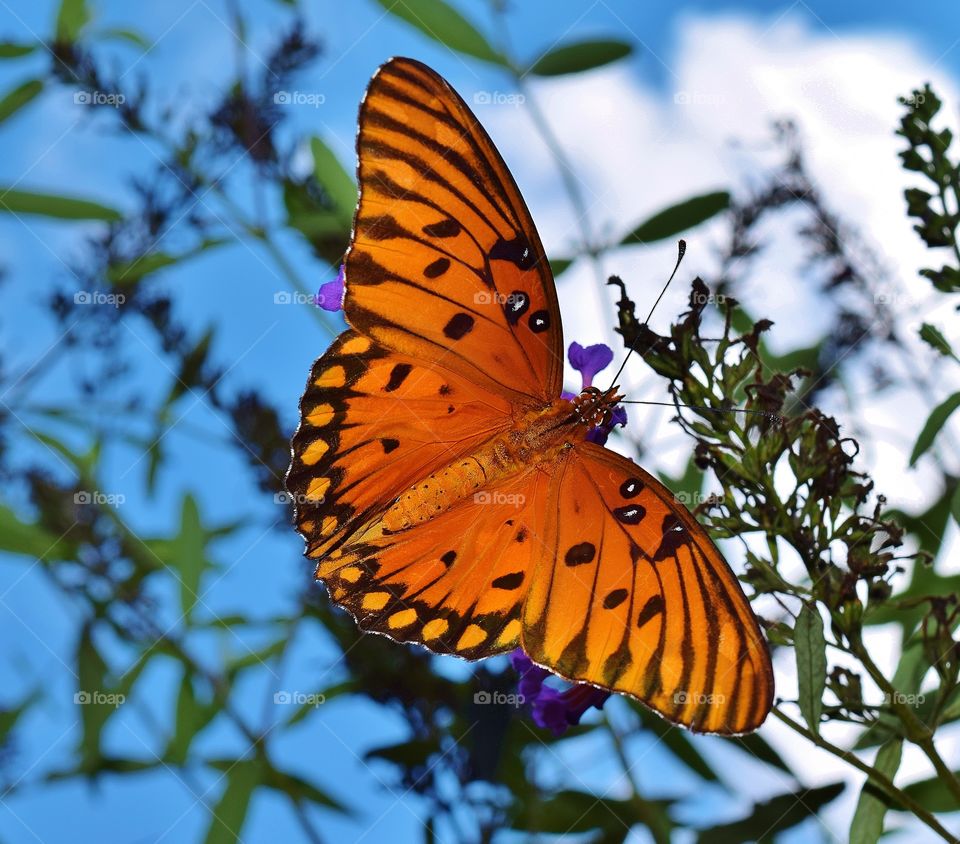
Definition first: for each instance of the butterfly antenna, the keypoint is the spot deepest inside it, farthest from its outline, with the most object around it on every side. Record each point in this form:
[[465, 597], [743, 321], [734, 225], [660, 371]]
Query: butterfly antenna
[[681, 251]]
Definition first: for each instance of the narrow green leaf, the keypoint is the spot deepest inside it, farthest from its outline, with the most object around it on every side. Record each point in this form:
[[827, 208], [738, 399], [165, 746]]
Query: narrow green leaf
[[441, 22], [73, 16], [937, 419], [187, 553], [584, 55], [12, 50], [334, 178], [955, 505], [933, 794], [867, 824], [678, 218], [775, 815], [131, 271], [186, 722], [10, 716], [811, 650], [759, 748], [298, 789], [92, 697], [131, 36], [231, 810], [32, 540], [933, 337], [16, 99], [51, 205], [559, 265]]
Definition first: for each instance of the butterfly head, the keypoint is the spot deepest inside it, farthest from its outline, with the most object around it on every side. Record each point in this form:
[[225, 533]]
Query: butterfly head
[[594, 407]]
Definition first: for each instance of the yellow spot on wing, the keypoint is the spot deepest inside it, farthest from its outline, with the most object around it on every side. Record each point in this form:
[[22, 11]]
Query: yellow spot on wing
[[434, 629], [307, 526], [471, 637], [355, 346], [321, 415], [329, 523], [375, 600], [351, 574], [404, 618], [510, 633], [318, 488], [335, 376], [313, 452]]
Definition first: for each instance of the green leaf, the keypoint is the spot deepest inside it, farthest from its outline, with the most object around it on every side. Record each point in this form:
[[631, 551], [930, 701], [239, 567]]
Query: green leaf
[[584, 55], [955, 505], [192, 715], [811, 649], [678, 218], [11, 50], [678, 743], [559, 265], [933, 337], [188, 553], [867, 824], [128, 272], [299, 789], [92, 696], [73, 16], [229, 814], [336, 181], [773, 816], [16, 99], [441, 22], [933, 794], [131, 36], [31, 539], [757, 746], [9, 717], [571, 812], [51, 205], [937, 419]]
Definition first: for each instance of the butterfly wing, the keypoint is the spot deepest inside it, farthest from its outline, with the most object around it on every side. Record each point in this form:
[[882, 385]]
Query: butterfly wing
[[632, 595], [454, 584], [445, 263], [372, 423]]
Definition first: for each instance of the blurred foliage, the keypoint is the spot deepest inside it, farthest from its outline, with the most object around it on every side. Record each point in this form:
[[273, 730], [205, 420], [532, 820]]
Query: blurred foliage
[[475, 770]]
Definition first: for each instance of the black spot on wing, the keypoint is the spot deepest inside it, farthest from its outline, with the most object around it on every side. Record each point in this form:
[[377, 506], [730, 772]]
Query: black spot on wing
[[445, 228], [437, 268], [516, 251], [651, 609], [631, 488], [389, 444], [674, 536], [448, 558], [516, 306], [579, 554], [459, 326], [508, 581], [398, 375], [630, 514], [615, 598], [539, 322]]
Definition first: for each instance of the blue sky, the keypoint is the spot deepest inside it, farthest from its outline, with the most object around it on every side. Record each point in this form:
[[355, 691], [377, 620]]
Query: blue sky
[[56, 143]]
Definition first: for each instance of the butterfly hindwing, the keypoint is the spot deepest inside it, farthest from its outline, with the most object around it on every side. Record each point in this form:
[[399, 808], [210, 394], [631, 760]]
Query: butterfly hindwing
[[445, 263], [372, 423], [454, 584], [632, 595]]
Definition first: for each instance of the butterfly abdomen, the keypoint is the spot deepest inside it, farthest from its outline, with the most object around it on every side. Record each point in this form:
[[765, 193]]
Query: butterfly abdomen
[[538, 436]]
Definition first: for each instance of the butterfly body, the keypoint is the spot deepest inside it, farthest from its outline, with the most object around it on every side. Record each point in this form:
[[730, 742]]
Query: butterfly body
[[448, 492]]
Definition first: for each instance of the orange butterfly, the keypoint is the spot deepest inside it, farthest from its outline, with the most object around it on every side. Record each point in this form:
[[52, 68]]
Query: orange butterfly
[[444, 487]]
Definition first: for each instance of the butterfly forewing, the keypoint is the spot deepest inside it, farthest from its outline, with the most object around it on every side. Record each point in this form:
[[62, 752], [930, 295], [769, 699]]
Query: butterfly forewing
[[632, 595], [446, 264]]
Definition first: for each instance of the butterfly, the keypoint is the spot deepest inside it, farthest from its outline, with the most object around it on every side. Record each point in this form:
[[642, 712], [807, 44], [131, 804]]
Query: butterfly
[[445, 489]]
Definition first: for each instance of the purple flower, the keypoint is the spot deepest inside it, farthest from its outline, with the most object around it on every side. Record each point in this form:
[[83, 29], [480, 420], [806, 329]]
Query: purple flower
[[552, 708], [590, 360], [330, 295], [598, 435]]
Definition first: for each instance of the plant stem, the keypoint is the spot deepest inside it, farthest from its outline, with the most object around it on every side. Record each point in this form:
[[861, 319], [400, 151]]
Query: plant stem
[[880, 780]]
